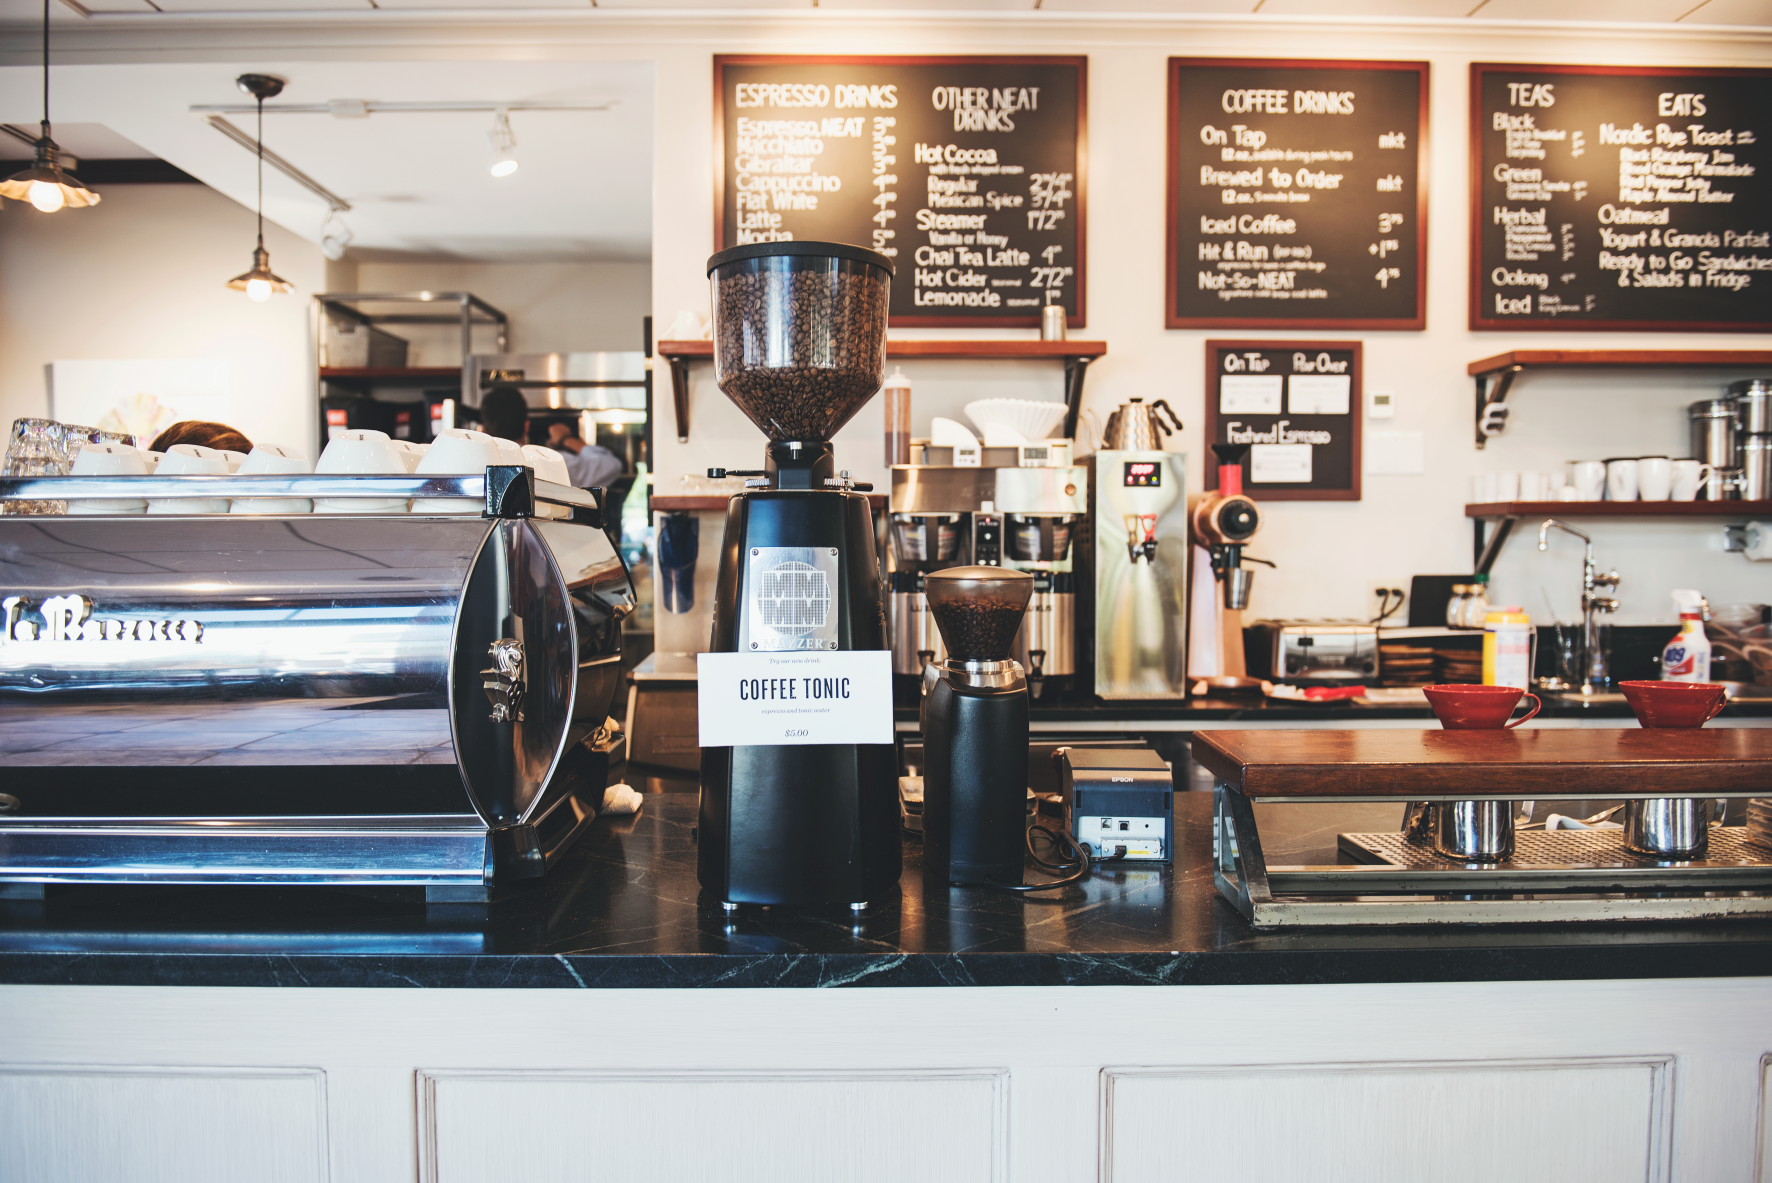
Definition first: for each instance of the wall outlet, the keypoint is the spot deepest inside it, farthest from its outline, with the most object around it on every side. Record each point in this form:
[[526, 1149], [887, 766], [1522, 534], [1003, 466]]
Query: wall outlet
[[1389, 598]]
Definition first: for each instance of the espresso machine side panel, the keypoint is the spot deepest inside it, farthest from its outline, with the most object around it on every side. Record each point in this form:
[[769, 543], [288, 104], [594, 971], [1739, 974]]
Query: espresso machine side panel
[[601, 595], [1139, 523], [219, 643], [515, 673]]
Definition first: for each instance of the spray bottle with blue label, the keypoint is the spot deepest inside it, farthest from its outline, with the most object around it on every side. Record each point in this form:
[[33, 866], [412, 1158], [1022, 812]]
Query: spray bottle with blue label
[[1687, 657]]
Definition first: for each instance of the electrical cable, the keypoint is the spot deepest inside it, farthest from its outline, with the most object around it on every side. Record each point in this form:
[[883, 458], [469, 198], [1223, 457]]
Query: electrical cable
[[1084, 862]]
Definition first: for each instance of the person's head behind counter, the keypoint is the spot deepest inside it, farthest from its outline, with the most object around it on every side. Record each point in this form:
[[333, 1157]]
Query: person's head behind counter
[[505, 413], [202, 433]]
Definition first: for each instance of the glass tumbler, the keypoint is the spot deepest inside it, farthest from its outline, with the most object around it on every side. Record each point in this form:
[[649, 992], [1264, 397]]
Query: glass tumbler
[[36, 447]]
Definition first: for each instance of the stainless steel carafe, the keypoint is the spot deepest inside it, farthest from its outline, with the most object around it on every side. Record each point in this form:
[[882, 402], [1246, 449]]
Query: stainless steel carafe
[[1138, 427], [1756, 468], [1753, 405]]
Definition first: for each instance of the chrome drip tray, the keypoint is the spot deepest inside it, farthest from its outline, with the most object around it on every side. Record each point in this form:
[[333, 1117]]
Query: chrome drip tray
[[1563, 850]]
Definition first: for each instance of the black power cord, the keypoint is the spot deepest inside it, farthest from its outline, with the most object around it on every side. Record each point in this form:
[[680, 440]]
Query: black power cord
[[1080, 866]]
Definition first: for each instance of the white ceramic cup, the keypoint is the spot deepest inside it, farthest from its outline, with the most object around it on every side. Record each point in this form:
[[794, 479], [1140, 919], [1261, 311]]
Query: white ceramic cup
[[549, 465], [273, 460], [1688, 477], [233, 459], [360, 452], [1621, 480], [456, 451], [1507, 486], [509, 451], [410, 453], [1487, 488], [190, 460], [1535, 486], [1589, 479], [109, 460], [1655, 477], [1568, 493]]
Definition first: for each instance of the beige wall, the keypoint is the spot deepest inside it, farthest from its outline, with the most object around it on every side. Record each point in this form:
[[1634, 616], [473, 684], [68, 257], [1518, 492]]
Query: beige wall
[[142, 275]]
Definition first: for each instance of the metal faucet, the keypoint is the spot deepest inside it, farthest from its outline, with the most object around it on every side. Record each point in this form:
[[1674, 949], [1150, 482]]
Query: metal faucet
[[1592, 604]]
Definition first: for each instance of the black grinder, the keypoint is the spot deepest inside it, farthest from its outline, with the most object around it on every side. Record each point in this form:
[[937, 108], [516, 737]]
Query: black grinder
[[975, 728]]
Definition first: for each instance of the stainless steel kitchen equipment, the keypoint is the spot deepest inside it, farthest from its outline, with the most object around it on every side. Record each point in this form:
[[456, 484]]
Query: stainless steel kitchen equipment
[[560, 381], [1668, 827], [373, 699], [1715, 431], [1139, 520], [1753, 405], [1023, 518], [1550, 877], [1313, 653], [1756, 467], [1138, 426], [1595, 676]]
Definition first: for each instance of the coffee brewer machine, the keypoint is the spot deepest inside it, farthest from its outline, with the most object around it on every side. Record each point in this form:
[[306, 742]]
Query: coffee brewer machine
[[1223, 522], [1139, 522], [975, 728], [799, 346], [918, 543]]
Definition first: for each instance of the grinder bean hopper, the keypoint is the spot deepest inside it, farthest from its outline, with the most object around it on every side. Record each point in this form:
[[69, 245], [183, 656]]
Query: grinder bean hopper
[[799, 347]]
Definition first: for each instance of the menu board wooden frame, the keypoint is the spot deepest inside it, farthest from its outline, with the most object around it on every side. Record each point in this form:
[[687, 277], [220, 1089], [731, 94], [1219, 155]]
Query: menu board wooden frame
[[1172, 212], [1355, 415], [1544, 324], [1080, 62]]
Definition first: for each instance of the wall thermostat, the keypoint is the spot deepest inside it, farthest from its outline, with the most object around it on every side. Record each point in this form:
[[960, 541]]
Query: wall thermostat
[[1380, 404]]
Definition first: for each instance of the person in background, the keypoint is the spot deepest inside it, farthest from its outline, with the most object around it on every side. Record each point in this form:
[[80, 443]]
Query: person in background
[[203, 434], [504, 412], [591, 466]]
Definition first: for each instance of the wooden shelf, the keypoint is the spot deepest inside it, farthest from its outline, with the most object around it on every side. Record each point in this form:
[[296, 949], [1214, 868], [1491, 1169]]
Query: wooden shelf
[[1495, 375], [366, 377], [1619, 509], [1076, 356]]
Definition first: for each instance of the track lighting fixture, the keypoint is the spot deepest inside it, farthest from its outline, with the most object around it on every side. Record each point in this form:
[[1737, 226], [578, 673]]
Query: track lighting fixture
[[504, 144]]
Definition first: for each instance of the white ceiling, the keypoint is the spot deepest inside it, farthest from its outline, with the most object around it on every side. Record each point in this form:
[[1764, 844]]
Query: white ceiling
[[1720, 12], [417, 182]]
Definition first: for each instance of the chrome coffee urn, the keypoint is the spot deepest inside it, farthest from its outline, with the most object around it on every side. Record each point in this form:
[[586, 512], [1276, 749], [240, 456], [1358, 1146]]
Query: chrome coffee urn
[[975, 728], [799, 346]]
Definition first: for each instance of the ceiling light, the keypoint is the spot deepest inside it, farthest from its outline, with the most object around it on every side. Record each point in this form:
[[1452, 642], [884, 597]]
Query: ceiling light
[[504, 143], [335, 236], [46, 184], [261, 283]]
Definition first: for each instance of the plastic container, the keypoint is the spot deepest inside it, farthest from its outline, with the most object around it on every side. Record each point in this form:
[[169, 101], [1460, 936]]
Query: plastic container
[[1507, 647], [1686, 658], [1476, 608], [895, 394]]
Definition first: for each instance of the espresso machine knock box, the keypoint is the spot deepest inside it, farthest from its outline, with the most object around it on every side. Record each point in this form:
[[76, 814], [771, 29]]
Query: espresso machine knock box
[[369, 699], [1116, 797]]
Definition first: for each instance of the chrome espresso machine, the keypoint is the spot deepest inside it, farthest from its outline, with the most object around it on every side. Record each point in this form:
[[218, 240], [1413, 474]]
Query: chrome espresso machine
[[1014, 510], [384, 698]]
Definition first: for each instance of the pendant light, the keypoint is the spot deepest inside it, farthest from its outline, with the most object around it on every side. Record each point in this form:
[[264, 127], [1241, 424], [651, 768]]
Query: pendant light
[[260, 283], [46, 184]]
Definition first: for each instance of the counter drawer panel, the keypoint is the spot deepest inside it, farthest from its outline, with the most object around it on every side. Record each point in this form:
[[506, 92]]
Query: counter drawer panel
[[761, 1127], [1586, 1121], [162, 1125]]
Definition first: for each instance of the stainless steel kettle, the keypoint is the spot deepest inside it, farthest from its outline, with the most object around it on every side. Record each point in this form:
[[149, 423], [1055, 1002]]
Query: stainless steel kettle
[[1138, 427]]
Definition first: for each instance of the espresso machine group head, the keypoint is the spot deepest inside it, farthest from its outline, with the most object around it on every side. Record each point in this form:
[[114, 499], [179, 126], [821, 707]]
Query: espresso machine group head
[[1224, 521], [975, 728], [799, 347]]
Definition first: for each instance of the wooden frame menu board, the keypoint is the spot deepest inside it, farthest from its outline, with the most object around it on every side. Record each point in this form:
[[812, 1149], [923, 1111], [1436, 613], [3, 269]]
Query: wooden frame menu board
[[1297, 194], [1297, 404], [1620, 198], [967, 171]]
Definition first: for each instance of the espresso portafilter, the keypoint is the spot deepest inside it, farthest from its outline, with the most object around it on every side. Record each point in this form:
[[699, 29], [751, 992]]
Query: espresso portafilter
[[975, 728]]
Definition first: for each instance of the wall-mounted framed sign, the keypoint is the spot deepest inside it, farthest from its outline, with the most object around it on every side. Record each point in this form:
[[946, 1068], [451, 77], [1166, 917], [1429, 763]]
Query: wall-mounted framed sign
[[1297, 194], [967, 171], [1620, 198], [1297, 404]]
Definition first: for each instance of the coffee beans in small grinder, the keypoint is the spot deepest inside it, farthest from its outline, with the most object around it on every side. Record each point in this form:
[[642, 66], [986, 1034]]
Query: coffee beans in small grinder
[[978, 609]]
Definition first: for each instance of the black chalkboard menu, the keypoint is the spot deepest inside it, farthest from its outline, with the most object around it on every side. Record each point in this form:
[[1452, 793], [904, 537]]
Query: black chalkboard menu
[[1296, 194], [967, 171], [1620, 198], [1297, 404]]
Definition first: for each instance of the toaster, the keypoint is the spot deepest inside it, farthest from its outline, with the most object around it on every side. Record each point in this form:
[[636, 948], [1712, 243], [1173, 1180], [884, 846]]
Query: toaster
[[1312, 652]]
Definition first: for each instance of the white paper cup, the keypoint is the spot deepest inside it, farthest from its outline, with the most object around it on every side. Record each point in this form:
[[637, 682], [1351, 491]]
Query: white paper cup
[[190, 460], [109, 460], [360, 453], [456, 451], [273, 460]]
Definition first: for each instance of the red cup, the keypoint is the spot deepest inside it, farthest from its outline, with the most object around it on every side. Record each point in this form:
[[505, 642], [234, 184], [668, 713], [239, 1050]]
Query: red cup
[[1674, 704], [1478, 708]]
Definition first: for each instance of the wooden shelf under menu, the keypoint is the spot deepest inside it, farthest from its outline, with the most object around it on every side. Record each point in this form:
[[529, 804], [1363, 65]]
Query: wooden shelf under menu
[[1620, 509]]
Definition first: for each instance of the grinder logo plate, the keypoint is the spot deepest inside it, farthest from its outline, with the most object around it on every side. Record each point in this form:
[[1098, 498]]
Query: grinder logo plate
[[788, 592]]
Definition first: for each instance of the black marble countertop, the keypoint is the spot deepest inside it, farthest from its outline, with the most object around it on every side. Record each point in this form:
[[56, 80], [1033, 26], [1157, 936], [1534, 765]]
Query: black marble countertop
[[623, 910]]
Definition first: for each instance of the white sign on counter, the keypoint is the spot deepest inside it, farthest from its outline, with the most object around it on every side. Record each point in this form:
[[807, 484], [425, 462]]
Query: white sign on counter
[[765, 699]]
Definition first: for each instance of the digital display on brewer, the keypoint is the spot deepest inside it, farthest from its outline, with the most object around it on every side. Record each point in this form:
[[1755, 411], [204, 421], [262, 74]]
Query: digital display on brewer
[[1143, 474]]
